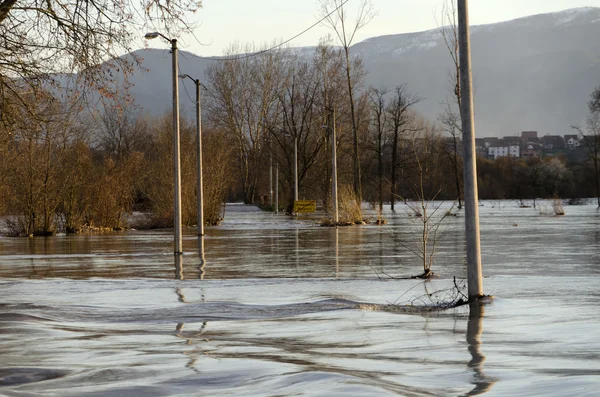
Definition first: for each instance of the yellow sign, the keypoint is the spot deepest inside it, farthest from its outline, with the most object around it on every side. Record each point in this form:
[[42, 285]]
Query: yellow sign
[[305, 206]]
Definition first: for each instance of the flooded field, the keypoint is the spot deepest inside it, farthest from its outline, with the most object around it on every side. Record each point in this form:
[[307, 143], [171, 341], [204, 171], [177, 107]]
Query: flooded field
[[284, 307]]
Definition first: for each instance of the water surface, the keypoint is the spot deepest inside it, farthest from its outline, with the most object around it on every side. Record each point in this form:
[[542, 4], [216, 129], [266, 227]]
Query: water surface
[[283, 307]]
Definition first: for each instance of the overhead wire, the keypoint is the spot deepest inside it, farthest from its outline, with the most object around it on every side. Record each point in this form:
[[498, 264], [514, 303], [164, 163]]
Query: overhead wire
[[253, 54]]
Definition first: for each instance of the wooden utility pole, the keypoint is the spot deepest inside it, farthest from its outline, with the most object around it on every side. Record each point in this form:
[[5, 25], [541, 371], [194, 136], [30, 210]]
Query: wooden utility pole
[[474, 273]]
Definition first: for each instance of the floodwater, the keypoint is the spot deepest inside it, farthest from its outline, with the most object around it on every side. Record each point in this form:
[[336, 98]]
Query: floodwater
[[283, 307]]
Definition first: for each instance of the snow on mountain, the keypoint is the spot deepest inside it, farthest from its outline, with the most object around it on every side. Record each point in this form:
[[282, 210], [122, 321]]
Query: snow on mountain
[[532, 73]]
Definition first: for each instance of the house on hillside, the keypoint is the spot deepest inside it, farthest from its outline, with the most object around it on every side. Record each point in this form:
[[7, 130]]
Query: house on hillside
[[553, 142], [552, 145], [529, 136], [480, 149], [504, 148], [532, 149], [572, 142]]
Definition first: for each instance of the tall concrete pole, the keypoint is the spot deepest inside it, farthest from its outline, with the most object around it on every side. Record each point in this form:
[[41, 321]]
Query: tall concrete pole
[[295, 168], [176, 154], [199, 182], [474, 273], [276, 187], [334, 183], [199, 178], [271, 172]]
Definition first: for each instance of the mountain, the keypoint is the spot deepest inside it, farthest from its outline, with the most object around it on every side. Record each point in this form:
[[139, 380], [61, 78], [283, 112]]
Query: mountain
[[532, 73]]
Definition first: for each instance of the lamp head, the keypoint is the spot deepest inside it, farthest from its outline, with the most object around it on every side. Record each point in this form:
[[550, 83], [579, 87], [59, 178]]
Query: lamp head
[[151, 35]]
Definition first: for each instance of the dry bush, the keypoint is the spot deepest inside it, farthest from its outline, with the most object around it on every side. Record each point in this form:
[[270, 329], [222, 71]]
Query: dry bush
[[217, 175], [348, 206], [216, 172]]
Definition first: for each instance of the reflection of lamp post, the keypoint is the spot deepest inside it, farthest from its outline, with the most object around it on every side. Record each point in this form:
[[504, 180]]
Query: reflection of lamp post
[[176, 154], [199, 156], [482, 383]]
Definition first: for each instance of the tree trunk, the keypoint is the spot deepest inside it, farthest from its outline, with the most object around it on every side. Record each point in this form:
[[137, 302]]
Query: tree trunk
[[457, 173], [597, 180], [355, 158], [393, 177]]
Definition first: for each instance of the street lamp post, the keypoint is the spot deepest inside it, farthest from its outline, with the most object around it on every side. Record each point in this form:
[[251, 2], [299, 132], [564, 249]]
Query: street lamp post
[[176, 147], [296, 195], [334, 182], [200, 202]]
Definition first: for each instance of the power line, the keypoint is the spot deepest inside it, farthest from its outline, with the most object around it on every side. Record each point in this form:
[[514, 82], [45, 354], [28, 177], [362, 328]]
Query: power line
[[253, 54]]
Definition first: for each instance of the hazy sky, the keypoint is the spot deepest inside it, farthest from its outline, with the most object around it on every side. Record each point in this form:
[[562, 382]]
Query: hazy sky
[[223, 22]]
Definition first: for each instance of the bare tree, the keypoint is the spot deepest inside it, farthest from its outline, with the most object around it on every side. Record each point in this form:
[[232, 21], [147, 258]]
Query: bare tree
[[424, 191], [451, 125], [337, 19], [122, 130], [451, 116], [42, 41], [242, 94], [329, 63], [379, 138], [594, 103], [591, 138], [300, 119], [398, 115]]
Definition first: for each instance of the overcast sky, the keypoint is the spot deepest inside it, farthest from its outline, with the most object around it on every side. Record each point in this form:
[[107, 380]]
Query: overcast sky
[[223, 22]]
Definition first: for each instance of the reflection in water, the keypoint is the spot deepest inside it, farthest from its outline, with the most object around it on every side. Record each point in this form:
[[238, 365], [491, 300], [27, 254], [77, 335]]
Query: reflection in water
[[201, 256], [337, 252], [179, 267], [190, 337], [482, 382], [297, 248]]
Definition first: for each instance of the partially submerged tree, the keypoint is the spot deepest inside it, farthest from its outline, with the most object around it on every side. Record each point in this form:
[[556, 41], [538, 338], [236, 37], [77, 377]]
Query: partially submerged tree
[[378, 141], [301, 125], [424, 192], [398, 116], [337, 19], [591, 138], [242, 96]]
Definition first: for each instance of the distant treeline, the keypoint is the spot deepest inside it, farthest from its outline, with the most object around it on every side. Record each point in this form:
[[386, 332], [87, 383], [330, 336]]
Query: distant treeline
[[59, 172], [62, 171]]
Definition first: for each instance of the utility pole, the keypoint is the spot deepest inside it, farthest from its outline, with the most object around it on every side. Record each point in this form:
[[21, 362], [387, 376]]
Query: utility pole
[[474, 273], [271, 171], [296, 168], [334, 184], [199, 182], [176, 153], [276, 187], [200, 203], [199, 179], [178, 250]]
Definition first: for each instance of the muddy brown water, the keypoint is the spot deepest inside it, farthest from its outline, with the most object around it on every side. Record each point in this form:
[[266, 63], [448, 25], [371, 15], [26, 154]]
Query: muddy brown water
[[283, 307]]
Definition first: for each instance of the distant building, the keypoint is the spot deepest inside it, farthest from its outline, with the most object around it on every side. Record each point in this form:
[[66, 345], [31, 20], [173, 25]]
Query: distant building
[[504, 148], [529, 136], [480, 148], [532, 149], [572, 142], [530, 145], [552, 142]]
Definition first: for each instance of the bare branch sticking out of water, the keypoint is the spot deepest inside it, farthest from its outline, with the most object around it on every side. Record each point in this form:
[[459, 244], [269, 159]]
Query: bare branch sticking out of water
[[443, 299]]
